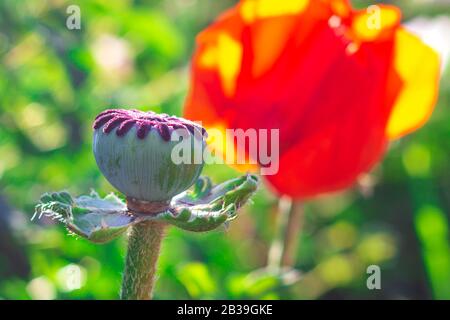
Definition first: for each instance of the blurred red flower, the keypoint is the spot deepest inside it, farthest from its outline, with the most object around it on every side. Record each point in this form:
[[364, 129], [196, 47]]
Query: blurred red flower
[[339, 84]]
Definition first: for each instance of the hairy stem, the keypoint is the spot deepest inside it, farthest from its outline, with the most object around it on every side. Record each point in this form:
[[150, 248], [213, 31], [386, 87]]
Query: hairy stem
[[276, 248], [283, 249], [144, 243], [292, 235]]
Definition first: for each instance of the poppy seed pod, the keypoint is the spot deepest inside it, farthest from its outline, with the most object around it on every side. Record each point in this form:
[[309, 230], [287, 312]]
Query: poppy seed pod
[[134, 150]]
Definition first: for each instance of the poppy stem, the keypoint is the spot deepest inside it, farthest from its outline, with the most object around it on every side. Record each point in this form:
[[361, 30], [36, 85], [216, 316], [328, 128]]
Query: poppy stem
[[144, 243], [282, 252], [277, 246], [292, 235]]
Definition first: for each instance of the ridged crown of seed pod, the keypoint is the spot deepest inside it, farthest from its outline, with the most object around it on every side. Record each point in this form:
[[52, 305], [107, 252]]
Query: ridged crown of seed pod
[[135, 152]]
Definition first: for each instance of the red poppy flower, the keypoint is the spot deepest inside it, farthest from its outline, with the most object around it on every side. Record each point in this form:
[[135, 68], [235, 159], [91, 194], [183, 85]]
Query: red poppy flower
[[338, 83]]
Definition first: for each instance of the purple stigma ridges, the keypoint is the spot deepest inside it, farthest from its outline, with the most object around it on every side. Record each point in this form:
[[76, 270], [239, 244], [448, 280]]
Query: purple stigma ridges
[[124, 120]]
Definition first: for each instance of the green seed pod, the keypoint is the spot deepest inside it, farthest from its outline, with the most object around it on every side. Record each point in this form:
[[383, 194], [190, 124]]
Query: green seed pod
[[138, 153]]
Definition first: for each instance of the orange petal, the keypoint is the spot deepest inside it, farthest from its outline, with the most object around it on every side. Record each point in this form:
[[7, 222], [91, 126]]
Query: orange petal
[[222, 144], [418, 67], [255, 9], [278, 29], [341, 8], [374, 22], [226, 56]]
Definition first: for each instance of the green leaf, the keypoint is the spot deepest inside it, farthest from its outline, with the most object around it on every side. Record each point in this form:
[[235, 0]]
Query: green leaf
[[100, 220], [91, 217], [206, 208]]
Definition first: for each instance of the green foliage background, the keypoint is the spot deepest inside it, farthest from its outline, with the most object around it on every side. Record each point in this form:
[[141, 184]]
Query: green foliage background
[[53, 81]]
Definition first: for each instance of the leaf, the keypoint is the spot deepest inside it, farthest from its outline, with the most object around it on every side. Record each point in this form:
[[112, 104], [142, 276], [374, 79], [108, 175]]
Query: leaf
[[91, 217], [100, 220], [206, 208]]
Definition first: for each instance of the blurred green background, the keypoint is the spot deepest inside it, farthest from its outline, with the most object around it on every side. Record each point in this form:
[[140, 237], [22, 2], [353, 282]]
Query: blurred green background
[[53, 81]]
